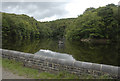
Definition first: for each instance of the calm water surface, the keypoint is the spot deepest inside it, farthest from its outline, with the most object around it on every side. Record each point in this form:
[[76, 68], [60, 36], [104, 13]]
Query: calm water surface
[[75, 50]]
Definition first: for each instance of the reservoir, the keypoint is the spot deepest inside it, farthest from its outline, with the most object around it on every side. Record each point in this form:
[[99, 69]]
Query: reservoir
[[69, 50]]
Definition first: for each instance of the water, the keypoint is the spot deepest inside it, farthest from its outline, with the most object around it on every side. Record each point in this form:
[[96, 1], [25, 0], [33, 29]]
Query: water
[[75, 50], [57, 55]]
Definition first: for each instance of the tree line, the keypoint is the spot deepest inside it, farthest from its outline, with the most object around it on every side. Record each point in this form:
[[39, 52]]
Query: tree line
[[94, 23]]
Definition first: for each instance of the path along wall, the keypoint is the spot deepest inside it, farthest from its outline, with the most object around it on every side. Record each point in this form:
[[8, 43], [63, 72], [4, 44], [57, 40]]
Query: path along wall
[[56, 65]]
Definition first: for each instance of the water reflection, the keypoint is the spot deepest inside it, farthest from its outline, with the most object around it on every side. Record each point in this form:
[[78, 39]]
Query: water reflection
[[49, 53], [89, 52], [61, 46]]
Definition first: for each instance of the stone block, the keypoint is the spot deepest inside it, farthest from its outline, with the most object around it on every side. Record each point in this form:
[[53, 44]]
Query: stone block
[[86, 65], [0, 51], [96, 66], [119, 71], [22, 54], [115, 70], [30, 55], [26, 55], [69, 63], [78, 64], [36, 57], [61, 61], [42, 58], [54, 60], [5, 52], [107, 68], [14, 53], [48, 59]]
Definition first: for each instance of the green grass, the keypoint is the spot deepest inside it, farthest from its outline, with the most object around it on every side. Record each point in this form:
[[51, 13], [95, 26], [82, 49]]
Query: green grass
[[18, 68]]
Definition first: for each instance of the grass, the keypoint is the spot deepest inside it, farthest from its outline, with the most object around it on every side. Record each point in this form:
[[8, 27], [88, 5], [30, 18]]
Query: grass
[[18, 68]]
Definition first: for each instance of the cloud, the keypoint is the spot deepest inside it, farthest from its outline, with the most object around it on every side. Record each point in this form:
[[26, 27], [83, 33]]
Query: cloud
[[119, 3], [39, 10], [77, 7], [49, 18], [47, 11]]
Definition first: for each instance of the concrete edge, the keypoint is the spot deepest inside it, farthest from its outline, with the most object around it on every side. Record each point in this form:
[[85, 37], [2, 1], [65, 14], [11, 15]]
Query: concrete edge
[[86, 65]]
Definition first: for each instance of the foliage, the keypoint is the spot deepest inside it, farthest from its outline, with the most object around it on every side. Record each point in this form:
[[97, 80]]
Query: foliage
[[18, 68], [22, 26], [96, 23], [100, 23]]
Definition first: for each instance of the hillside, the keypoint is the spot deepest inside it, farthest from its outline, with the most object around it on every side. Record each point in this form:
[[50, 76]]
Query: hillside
[[100, 23]]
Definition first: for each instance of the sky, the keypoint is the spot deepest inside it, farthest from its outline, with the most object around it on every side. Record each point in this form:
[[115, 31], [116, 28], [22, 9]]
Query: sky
[[52, 10]]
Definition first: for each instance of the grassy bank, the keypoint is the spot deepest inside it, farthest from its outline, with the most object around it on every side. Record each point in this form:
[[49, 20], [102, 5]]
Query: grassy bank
[[18, 68]]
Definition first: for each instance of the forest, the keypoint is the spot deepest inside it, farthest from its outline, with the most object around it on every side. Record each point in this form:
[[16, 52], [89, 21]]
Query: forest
[[94, 23]]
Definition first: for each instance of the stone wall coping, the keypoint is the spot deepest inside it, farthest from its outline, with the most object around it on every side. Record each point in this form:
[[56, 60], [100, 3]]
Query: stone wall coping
[[80, 64]]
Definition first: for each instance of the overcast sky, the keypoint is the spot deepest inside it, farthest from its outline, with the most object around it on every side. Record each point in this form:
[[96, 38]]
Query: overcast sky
[[47, 11]]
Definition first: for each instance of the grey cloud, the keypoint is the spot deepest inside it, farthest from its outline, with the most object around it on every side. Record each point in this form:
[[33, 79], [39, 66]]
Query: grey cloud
[[38, 10]]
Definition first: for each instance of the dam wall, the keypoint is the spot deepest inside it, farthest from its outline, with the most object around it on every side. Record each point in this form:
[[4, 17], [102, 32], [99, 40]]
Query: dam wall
[[47, 64]]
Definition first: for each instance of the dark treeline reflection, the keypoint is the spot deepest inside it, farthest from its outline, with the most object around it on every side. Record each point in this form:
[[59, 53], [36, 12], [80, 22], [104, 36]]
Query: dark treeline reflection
[[89, 52]]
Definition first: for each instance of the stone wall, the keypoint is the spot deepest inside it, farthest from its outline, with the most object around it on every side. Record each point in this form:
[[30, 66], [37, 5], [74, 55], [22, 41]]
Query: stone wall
[[47, 64]]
